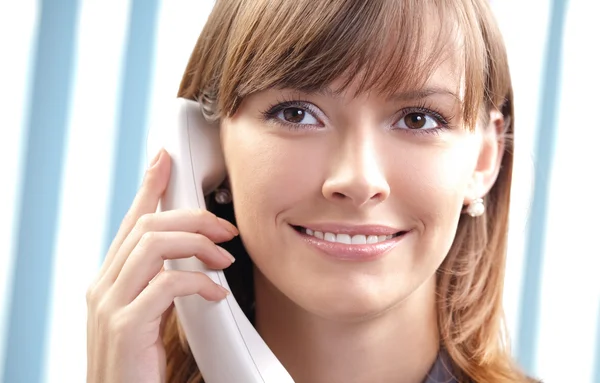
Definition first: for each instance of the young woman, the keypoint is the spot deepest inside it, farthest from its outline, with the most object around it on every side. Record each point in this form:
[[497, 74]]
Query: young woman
[[369, 154]]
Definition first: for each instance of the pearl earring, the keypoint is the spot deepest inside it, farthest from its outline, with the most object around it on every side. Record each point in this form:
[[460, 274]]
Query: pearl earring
[[222, 196], [476, 208]]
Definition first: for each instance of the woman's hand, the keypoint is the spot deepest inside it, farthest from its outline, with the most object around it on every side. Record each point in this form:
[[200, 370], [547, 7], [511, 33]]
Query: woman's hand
[[132, 294]]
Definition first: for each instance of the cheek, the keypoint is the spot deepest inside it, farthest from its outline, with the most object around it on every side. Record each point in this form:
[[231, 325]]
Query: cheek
[[431, 187], [428, 192], [266, 170], [268, 175]]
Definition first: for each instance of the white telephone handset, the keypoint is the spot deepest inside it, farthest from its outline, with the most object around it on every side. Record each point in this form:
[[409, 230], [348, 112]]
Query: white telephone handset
[[225, 345]]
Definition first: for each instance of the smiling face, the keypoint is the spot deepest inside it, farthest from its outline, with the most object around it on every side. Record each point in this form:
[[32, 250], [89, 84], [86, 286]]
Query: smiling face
[[357, 165], [358, 126], [312, 173]]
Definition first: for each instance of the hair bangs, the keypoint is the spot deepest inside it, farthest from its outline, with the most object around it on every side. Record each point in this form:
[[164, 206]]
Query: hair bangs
[[378, 46]]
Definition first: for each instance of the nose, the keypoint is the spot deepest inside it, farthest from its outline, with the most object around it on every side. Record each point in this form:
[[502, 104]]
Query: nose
[[357, 176]]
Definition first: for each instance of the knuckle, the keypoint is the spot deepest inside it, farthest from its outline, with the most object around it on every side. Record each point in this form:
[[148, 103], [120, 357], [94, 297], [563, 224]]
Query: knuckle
[[167, 280], [91, 295], [150, 177], [191, 214], [144, 223], [119, 324], [204, 244], [103, 311], [112, 320], [201, 214], [149, 239]]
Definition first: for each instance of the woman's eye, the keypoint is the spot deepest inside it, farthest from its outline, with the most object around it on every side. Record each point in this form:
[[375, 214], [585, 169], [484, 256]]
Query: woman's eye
[[297, 115], [418, 121]]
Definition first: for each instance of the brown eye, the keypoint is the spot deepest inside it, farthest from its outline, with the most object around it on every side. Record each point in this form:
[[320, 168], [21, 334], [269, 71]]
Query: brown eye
[[418, 121], [294, 115], [415, 120]]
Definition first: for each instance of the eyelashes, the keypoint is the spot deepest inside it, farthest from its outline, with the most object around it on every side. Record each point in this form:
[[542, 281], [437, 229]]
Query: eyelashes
[[301, 108], [421, 118]]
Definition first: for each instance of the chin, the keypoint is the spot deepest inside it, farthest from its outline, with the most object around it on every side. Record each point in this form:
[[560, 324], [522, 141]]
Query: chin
[[334, 289], [352, 304]]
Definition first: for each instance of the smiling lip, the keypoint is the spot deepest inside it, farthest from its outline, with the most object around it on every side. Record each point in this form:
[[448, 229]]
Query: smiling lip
[[353, 252], [353, 229]]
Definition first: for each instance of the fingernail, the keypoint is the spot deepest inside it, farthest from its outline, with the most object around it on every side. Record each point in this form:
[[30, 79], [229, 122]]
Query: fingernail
[[228, 226], [156, 158], [224, 290], [226, 254]]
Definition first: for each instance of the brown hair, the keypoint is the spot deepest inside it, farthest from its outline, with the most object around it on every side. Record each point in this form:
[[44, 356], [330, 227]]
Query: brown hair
[[249, 46]]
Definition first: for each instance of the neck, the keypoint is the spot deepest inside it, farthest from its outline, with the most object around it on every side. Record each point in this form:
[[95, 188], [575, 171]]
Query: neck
[[399, 345]]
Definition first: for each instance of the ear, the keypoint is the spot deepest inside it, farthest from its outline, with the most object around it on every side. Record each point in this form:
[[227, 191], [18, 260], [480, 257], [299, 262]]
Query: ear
[[490, 158]]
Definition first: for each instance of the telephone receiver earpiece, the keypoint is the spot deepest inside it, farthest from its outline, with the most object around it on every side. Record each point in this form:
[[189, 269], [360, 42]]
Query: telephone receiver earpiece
[[225, 345]]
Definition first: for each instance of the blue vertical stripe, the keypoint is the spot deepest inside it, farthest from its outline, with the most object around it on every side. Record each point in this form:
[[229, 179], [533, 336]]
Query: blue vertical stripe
[[545, 148], [50, 100], [134, 109]]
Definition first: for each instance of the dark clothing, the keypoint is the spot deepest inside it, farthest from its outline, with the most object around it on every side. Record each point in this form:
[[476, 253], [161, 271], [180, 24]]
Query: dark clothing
[[441, 371]]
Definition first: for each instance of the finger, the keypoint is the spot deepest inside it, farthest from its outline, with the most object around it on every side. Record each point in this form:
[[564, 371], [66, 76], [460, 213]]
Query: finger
[[166, 317], [155, 299], [148, 257], [145, 202], [193, 221]]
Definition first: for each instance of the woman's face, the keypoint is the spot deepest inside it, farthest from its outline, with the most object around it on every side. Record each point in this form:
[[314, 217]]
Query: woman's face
[[311, 172]]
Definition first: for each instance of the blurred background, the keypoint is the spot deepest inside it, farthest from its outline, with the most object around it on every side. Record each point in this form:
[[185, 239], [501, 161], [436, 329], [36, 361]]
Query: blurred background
[[81, 80]]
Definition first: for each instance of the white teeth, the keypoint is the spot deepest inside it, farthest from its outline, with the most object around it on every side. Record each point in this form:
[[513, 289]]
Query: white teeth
[[343, 238], [358, 239], [330, 237]]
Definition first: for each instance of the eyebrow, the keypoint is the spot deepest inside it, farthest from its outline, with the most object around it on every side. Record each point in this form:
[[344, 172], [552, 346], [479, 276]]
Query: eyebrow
[[402, 96]]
